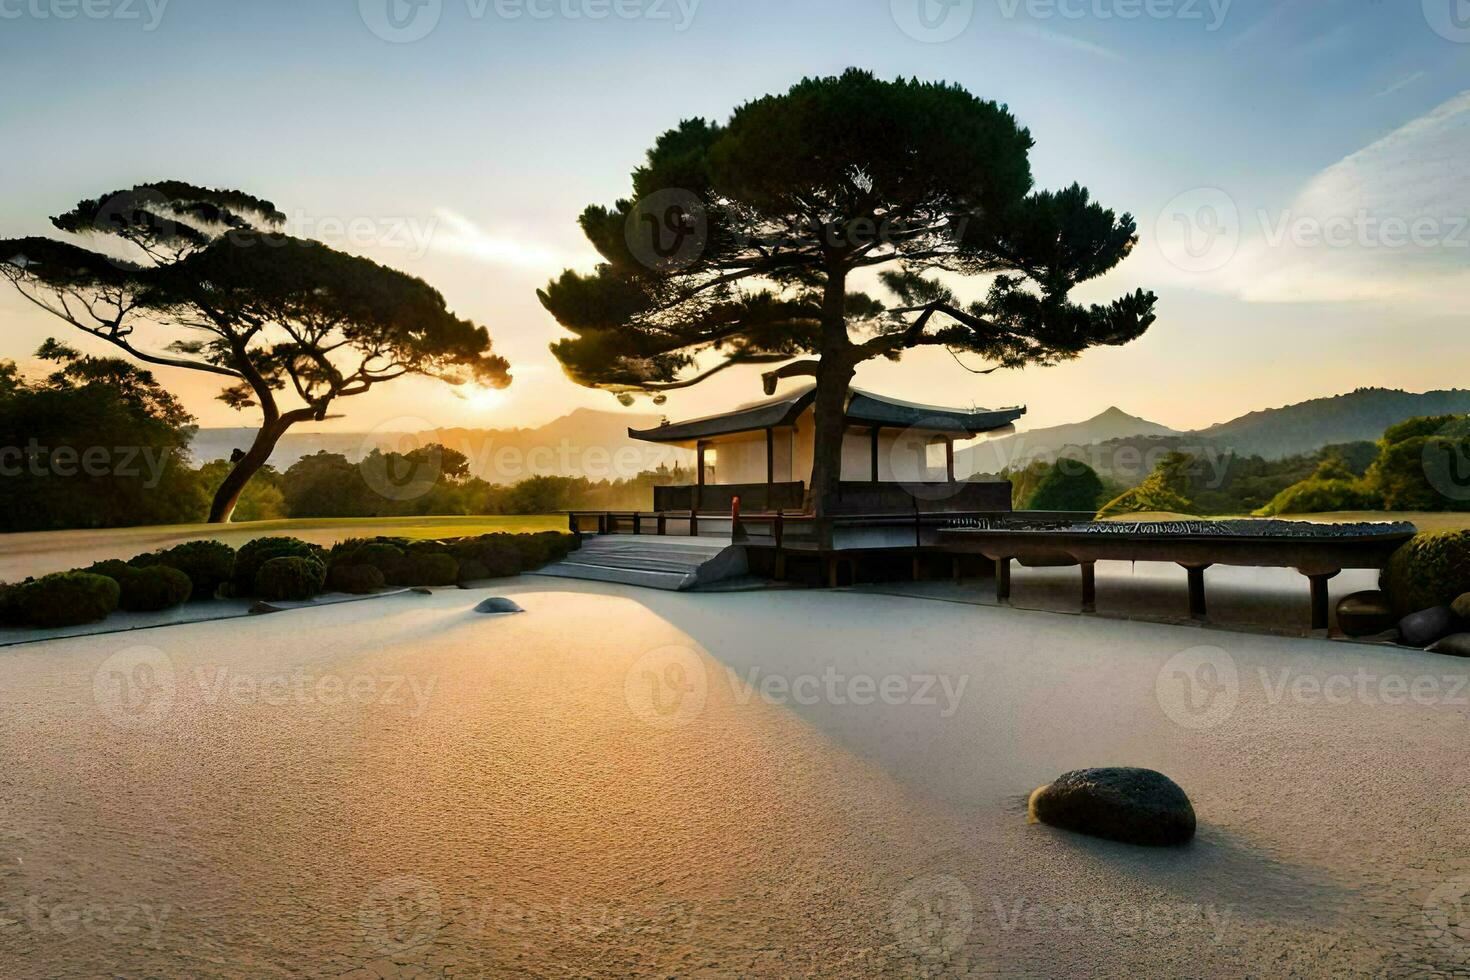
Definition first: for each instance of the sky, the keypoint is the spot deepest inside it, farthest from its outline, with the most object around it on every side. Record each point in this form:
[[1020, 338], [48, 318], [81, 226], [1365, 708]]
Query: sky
[[1299, 169]]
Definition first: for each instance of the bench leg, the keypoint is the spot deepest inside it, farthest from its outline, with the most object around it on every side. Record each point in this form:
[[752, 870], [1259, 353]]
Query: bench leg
[[1089, 586], [1321, 607], [1003, 580], [1197, 606]]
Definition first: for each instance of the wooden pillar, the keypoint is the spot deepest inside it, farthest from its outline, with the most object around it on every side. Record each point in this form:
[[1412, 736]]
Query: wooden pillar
[[1003, 579], [699, 483], [876, 430], [1198, 608], [1089, 586], [770, 469], [1321, 608], [949, 457]]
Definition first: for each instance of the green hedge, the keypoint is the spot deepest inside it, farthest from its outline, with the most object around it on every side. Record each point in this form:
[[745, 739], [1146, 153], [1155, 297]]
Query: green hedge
[[355, 579], [1430, 570], [209, 565], [63, 599], [289, 578], [254, 554], [151, 588]]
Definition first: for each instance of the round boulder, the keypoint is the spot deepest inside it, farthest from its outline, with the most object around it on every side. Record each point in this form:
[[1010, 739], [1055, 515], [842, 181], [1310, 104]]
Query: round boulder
[[1365, 614], [1455, 645], [498, 607], [1422, 629], [1135, 806]]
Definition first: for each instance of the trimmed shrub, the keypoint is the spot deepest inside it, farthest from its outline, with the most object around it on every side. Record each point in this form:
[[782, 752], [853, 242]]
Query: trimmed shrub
[[381, 555], [289, 578], [356, 579], [255, 554], [209, 564], [425, 569], [63, 599], [473, 570], [501, 558], [1430, 570], [152, 588]]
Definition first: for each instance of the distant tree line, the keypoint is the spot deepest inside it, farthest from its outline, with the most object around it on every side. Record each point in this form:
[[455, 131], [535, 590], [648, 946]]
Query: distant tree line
[[98, 442]]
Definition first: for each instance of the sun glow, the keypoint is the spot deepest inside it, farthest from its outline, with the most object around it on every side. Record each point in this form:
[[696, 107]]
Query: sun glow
[[482, 399]]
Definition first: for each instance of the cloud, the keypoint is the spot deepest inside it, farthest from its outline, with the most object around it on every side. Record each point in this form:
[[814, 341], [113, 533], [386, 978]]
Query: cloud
[[1404, 82], [1389, 223], [1067, 41], [458, 235]]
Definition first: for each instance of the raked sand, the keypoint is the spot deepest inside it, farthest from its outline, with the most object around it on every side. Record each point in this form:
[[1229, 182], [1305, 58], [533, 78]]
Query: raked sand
[[594, 788]]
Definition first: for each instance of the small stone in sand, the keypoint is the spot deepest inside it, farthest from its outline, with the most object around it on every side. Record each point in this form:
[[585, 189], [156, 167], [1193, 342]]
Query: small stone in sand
[[1135, 806], [498, 607]]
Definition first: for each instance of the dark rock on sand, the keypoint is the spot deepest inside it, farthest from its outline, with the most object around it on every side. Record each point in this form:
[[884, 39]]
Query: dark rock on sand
[[1365, 614], [1461, 606], [1422, 629], [1135, 806], [498, 607], [1455, 645]]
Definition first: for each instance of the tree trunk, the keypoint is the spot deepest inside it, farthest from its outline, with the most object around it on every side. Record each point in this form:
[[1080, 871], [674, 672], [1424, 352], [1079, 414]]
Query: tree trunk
[[228, 494], [833, 380], [834, 375]]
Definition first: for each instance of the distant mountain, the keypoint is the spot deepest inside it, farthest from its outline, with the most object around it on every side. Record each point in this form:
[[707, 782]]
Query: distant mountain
[[994, 455], [1276, 433], [584, 443], [1123, 447]]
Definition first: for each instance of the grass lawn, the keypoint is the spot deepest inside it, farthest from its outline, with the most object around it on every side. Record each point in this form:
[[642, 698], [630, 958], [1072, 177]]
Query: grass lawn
[[42, 552]]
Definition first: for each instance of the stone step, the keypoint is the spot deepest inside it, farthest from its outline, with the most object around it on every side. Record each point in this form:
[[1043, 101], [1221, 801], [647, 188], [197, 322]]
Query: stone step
[[670, 563]]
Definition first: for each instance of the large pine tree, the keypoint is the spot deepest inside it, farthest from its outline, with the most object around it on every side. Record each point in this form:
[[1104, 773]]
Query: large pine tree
[[742, 242]]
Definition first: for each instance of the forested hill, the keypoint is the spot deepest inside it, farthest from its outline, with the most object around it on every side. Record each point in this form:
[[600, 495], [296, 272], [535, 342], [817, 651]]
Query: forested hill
[[1275, 433]]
